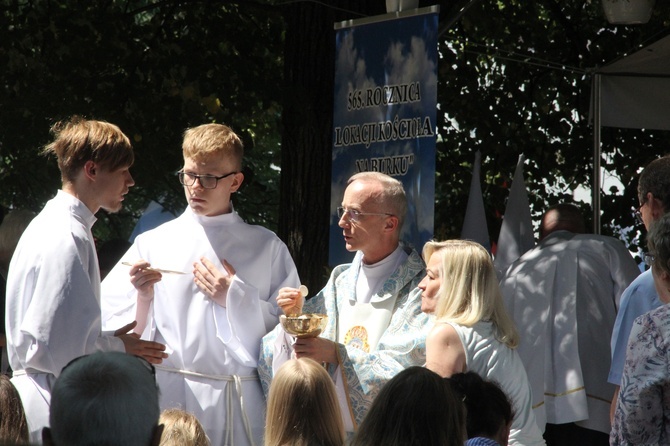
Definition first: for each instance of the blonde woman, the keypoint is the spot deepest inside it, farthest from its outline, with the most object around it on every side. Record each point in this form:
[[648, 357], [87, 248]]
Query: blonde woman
[[472, 330], [302, 407], [13, 424], [181, 428]]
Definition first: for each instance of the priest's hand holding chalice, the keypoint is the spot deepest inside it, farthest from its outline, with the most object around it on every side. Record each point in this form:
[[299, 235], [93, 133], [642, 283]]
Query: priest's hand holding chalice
[[305, 327]]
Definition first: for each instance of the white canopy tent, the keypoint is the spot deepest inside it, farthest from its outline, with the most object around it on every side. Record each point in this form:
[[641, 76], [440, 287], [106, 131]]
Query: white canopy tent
[[632, 92]]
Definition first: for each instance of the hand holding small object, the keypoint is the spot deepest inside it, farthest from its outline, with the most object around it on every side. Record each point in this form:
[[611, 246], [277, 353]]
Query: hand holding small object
[[290, 300], [143, 278]]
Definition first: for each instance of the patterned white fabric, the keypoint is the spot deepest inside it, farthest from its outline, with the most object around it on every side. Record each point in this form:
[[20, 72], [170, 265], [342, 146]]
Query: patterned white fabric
[[563, 296], [402, 345], [642, 415]]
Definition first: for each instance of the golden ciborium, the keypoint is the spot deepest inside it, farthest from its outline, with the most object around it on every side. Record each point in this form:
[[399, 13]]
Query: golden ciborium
[[308, 325]]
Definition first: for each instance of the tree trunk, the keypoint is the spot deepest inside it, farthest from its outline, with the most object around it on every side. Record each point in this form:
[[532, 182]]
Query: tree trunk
[[307, 130]]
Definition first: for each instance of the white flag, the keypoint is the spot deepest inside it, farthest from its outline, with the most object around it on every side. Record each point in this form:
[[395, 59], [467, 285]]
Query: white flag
[[516, 234], [474, 225]]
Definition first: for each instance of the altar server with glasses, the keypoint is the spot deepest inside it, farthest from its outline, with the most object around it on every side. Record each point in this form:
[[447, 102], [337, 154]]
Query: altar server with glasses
[[204, 284]]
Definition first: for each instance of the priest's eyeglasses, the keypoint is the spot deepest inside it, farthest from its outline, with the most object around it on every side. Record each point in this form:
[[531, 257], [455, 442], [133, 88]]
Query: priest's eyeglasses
[[206, 181], [638, 212], [355, 215], [638, 215]]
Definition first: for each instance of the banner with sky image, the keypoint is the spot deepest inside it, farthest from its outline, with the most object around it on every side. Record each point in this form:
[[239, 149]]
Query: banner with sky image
[[384, 113]]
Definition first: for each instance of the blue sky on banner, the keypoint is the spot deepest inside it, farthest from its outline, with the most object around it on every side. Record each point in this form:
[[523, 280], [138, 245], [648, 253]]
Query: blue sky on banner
[[384, 115]]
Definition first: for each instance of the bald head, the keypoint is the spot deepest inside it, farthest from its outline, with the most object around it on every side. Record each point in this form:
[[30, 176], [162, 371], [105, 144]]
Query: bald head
[[562, 217]]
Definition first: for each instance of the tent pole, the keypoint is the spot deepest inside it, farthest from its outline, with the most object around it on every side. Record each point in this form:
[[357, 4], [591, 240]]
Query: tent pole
[[595, 191]]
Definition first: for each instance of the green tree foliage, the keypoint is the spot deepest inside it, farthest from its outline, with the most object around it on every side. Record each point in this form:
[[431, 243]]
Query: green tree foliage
[[154, 69], [309, 59], [515, 77]]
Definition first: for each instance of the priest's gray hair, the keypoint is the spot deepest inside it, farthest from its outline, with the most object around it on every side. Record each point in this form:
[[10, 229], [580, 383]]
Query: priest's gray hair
[[658, 242], [393, 197]]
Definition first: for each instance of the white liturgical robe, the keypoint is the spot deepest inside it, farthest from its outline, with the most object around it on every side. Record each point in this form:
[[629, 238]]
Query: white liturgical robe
[[563, 296], [53, 303], [211, 370]]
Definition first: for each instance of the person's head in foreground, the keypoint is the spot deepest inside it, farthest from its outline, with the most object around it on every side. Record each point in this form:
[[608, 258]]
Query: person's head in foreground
[[461, 286], [212, 169], [489, 410], [658, 247], [13, 424], [106, 398], [181, 428], [302, 407], [415, 408]]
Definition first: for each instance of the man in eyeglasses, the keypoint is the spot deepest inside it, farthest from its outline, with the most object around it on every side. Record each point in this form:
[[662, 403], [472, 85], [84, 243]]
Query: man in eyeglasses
[[563, 296], [653, 191], [204, 285], [375, 324], [53, 284]]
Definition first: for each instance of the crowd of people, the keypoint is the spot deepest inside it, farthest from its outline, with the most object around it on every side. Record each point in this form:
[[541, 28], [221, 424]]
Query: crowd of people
[[178, 342]]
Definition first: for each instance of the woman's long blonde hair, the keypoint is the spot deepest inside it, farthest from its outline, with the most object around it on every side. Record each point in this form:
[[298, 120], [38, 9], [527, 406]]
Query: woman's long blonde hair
[[13, 423], [469, 290], [303, 408]]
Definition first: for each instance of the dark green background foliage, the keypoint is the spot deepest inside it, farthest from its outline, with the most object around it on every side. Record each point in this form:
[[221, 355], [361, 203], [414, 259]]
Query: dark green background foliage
[[154, 70], [514, 77]]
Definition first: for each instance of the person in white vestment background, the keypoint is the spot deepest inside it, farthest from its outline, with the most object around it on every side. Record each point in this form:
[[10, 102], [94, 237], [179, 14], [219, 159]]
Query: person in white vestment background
[[653, 192], [472, 330], [563, 296], [375, 326], [214, 299], [53, 284]]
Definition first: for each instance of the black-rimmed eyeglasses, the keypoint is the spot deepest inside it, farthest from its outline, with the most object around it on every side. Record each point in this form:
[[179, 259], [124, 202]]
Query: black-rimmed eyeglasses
[[355, 215], [206, 181], [638, 214]]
